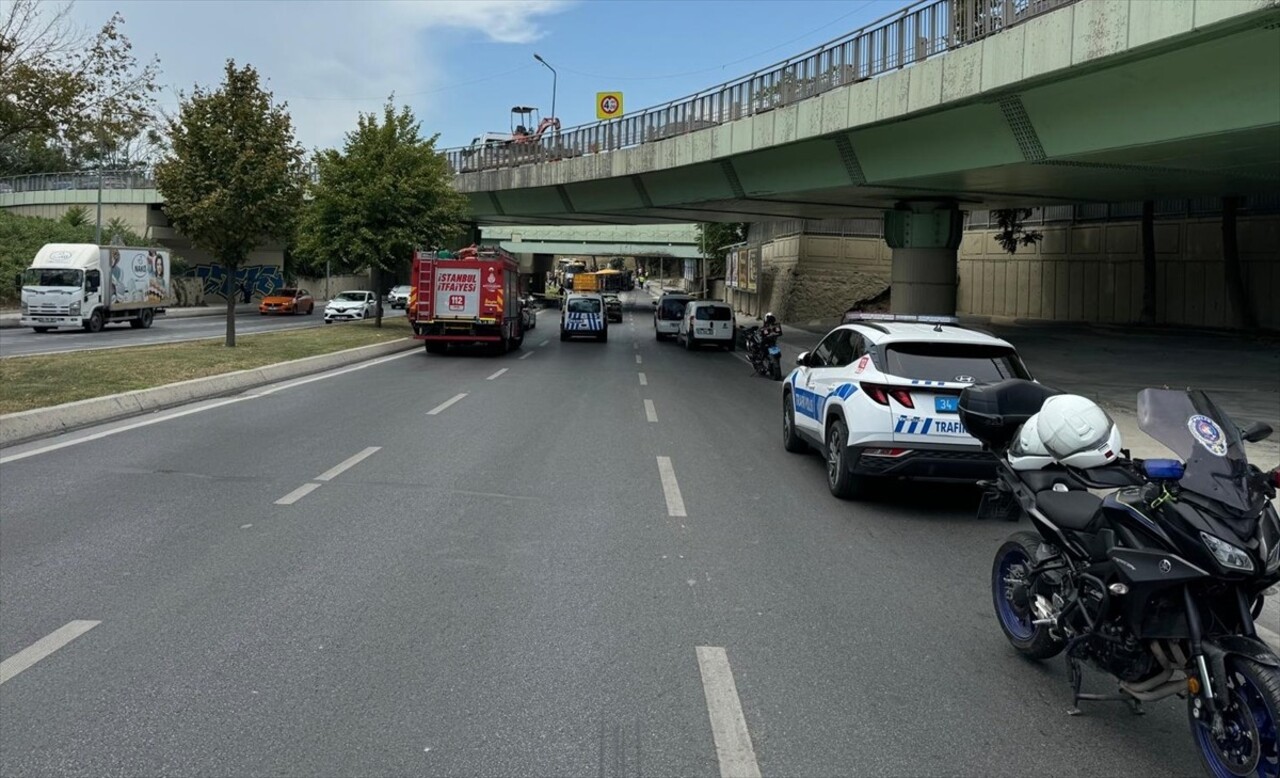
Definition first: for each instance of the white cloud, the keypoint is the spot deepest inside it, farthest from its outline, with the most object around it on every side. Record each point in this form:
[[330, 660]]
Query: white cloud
[[317, 55]]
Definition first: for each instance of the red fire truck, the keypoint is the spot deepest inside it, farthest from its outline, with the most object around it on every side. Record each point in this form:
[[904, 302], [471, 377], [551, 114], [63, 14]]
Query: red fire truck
[[470, 298]]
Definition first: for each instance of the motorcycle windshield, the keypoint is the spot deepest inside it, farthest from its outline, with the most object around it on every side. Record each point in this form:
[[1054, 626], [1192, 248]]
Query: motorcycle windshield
[[1207, 440]]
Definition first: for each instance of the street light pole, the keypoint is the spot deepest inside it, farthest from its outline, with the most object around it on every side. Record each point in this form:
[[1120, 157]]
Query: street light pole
[[555, 77]]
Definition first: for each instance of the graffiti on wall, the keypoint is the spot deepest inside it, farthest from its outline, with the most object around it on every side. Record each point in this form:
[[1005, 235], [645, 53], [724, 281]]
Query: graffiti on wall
[[251, 281]]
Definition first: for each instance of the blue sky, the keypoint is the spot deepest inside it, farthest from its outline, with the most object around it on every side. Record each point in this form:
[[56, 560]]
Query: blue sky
[[462, 64]]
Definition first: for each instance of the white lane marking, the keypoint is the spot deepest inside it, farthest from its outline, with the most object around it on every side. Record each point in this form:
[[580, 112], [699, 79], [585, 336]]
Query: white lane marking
[[113, 431], [187, 412], [44, 647], [638, 361], [526, 355], [445, 405], [298, 494], [543, 343], [495, 375], [644, 381], [650, 412], [635, 345], [728, 726], [245, 526], [670, 488], [347, 464], [323, 376]]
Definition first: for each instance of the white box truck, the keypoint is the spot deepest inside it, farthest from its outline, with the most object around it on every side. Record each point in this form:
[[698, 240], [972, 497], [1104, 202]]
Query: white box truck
[[86, 285]]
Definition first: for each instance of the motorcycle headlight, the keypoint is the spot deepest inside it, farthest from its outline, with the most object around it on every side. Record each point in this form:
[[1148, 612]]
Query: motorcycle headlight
[[75, 309], [1227, 554]]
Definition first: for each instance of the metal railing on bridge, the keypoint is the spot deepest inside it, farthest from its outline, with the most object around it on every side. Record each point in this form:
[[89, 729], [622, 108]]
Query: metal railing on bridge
[[913, 34], [71, 181]]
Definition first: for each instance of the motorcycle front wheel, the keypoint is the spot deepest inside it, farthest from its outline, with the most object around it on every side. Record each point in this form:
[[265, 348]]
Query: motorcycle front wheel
[[1012, 598], [1250, 744]]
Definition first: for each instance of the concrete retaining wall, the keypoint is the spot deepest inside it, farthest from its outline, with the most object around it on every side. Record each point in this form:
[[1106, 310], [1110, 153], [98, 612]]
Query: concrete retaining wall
[[1093, 273]]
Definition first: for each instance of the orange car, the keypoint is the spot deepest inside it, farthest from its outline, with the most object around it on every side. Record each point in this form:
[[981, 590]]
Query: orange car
[[287, 301]]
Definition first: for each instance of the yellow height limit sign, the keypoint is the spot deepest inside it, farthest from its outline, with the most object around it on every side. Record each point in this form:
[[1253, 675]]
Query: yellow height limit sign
[[608, 105]]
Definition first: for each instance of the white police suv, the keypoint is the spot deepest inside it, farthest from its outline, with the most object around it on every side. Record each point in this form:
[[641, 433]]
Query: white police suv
[[878, 397]]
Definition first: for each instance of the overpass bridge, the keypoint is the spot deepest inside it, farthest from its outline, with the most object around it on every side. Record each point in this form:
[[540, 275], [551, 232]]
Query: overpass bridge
[[945, 106]]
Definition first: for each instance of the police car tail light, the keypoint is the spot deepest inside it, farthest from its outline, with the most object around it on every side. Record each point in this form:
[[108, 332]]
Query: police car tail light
[[903, 397], [876, 393]]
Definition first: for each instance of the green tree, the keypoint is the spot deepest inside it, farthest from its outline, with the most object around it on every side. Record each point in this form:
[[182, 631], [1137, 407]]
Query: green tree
[[76, 216], [713, 237], [233, 177], [387, 192], [82, 93]]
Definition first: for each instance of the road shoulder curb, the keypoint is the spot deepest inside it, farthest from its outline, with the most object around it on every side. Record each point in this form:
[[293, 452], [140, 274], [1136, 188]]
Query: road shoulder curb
[[25, 426]]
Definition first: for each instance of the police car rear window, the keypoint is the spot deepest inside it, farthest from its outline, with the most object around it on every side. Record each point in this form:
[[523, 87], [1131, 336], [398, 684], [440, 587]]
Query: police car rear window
[[953, 362], [584, 305], [713, 313]]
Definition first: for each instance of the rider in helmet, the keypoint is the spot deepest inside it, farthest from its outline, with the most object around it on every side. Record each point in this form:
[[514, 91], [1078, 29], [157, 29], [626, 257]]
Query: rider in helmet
[[771, 326]]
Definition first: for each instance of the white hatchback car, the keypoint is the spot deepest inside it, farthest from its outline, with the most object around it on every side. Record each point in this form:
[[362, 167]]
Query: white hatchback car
[[878, 396], [350, 306], [707, 322]]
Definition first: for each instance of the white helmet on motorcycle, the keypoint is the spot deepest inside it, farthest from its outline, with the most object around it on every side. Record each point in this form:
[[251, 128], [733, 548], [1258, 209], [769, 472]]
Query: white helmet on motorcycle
[[769, 318], [1076, 432], [1028, 452]]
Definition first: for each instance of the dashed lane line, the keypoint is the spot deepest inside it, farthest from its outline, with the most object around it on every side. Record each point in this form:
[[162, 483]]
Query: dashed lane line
[[351, 462], [526, 355], [543, 343], [436, 411], [650, 412], [43, 647], [644, 381], [298, 494], [638, 360], [495, 375], [734, 750], [670, 488]]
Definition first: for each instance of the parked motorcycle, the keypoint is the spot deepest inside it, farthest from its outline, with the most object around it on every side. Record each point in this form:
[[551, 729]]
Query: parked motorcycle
[[763, 352], [1159, 582]]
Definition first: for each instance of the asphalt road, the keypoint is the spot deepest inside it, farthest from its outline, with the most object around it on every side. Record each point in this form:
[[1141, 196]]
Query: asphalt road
[[25, 342], [513, 566]]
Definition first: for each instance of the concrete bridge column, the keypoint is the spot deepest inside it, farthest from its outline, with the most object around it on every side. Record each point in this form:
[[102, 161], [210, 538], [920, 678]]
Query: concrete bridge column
[[924, 237]]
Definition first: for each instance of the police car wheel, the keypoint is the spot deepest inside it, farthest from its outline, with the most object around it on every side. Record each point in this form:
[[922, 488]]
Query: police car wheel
[[791, 441], [840, 481]]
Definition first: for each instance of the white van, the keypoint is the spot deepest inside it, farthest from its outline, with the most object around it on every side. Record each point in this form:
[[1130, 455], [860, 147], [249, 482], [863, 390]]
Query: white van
[[666, 314], [584, 314], [707, 322]]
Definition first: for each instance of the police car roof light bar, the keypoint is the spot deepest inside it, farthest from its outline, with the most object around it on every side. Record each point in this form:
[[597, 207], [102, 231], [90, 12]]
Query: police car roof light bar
[[900, 317]]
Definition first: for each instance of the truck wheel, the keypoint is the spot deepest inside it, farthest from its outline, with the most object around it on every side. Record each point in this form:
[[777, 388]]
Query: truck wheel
[[95, 322], [517, 342], [145, 318], [41, 330], [435, 348]]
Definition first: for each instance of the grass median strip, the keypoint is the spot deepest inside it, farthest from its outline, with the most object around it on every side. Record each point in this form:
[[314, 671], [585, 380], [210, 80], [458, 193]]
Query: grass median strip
[[53, 379]]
